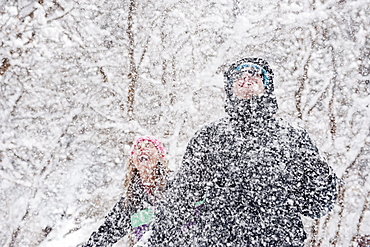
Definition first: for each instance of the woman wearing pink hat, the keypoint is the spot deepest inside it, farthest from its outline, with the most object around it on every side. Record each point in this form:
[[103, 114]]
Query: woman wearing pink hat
[[145, 181]]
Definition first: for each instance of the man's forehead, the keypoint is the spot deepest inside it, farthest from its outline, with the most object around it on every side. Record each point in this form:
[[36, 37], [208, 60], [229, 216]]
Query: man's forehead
[[246, 66], [247, 70]]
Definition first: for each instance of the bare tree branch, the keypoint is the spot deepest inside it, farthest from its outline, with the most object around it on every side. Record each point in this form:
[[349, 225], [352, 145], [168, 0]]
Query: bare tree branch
[[133, 70], [60, 17]]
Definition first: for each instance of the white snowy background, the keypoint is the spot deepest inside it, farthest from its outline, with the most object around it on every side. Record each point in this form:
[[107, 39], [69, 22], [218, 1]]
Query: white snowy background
[[79, 79]]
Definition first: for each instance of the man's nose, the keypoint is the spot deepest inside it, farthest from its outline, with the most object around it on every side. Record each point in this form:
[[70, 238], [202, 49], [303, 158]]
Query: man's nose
[[247, 76]]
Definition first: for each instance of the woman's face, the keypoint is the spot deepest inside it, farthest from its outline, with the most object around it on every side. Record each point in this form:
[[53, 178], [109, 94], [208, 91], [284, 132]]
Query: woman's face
[[146, 157]]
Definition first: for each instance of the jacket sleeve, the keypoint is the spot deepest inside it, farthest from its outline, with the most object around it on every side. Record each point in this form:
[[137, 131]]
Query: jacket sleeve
[[314, 183], [114, 228], [188, 187]]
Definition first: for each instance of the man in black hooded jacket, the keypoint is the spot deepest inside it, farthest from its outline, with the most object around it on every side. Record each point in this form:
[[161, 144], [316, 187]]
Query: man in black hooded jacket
[[249, 175]]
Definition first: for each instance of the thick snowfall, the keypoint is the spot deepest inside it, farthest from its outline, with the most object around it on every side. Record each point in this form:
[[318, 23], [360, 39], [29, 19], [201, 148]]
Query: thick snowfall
[[79, 80]]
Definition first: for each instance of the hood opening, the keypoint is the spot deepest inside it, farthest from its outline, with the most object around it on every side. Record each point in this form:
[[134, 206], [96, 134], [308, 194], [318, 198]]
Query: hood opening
[[257, 108]]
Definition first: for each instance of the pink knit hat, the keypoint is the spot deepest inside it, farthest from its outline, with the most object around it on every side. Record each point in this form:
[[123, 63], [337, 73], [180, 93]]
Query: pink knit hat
[[153, 140]]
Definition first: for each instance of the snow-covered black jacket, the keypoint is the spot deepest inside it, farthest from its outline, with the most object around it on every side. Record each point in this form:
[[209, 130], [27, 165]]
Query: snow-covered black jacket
[[123, 219], [257, 174]]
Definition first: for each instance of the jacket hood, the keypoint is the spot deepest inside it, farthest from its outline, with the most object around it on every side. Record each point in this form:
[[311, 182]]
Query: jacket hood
[[258, 108]]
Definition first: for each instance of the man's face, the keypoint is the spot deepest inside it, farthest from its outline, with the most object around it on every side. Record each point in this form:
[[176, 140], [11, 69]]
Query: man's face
[[248, 84]]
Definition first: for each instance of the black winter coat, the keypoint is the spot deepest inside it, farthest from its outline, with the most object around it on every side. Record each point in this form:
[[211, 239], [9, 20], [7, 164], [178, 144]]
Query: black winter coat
[[258, 175], [119, 221]]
